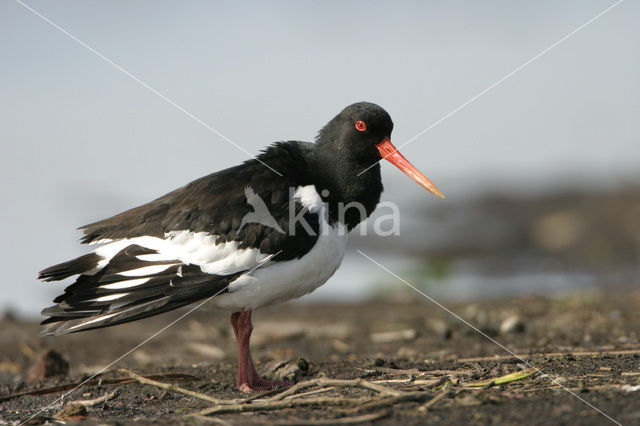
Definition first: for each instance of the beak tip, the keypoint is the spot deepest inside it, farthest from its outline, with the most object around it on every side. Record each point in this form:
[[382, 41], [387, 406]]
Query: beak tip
[[438, 194]]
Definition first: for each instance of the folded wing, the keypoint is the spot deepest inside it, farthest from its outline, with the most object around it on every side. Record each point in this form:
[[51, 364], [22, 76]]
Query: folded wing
[[188, 245]]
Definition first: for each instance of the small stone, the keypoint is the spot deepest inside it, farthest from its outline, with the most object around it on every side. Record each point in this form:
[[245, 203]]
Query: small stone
[[72, 412], [393, 336], [10, 367], [49, 363], [303, 365], [630, 388], [512, 324], [439, 327], [339, 345], [406, 352], [290, 371], [206, 350], [496, 371]]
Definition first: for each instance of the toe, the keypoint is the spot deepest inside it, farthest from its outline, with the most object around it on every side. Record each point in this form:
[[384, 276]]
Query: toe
[[263, 385]]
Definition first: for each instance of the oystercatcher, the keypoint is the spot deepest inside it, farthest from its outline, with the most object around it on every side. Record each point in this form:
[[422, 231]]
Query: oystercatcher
[[245, 237]]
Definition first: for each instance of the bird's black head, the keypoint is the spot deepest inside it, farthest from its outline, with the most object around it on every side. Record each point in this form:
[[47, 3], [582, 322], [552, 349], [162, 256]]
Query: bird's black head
[[356, 130], [358, 138]]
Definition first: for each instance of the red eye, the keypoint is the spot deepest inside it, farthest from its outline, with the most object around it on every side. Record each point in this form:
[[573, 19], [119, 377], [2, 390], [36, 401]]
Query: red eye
[[360, 126]]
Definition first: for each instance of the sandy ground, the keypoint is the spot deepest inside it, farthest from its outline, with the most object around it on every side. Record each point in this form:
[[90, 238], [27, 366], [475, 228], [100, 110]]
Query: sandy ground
[[417, 365]]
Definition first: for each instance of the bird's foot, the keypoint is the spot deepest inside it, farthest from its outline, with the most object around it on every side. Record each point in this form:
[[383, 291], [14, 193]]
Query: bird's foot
[[248, 378], [261, 384]]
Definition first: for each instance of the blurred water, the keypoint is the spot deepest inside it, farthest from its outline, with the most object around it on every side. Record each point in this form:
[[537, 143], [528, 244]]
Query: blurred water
[[359, 279]]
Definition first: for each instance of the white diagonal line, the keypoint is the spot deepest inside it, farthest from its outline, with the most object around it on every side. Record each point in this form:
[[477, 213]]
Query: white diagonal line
[[450, 312], [150, 337], [142, 83], [497, 82]]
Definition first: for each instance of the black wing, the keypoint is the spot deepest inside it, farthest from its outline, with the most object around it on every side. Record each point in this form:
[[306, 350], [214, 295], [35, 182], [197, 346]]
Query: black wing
[[139, 279], [216, 204]]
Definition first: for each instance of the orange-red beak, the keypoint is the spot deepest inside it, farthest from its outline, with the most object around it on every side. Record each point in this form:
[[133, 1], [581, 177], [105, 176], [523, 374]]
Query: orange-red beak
[[390, 153]]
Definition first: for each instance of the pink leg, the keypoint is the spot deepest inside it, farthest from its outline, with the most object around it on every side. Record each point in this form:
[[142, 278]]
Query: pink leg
[[248, 378]]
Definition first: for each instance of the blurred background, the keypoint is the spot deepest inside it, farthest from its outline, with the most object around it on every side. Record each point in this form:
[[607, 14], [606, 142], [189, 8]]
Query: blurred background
[[541, 173]]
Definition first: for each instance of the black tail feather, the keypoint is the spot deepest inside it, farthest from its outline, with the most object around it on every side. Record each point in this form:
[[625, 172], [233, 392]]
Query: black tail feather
[[93, 301], [111, 296], [65, 318], [76, 266]]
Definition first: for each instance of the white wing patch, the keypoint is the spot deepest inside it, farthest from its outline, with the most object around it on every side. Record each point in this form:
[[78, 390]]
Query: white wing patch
[[96, 319], [125, 284], [146, 270], [108, 297], [189, 248]]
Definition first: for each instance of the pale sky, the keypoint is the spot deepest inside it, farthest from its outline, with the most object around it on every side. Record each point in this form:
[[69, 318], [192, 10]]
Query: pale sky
[[82, 140]]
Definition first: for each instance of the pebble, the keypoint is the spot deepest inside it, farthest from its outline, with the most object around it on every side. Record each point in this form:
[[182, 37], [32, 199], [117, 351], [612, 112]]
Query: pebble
[[560, 380], [393, 336], [439, 327], [290, 371], [71, 412], [206, 350], [49, 363], [512, 324]]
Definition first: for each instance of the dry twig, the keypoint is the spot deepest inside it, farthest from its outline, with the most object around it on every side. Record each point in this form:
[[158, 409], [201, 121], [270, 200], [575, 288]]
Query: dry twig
[[94, 382], [174, 388], [337, 383], [291, 399], [96, 401], [548, 355], [309, 393], [415, 371], [385, 397], [443, 393], [389, 401], [338, 421], [287, 403]]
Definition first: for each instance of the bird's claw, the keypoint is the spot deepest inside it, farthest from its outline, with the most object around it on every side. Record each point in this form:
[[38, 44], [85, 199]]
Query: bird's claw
[[263, 385]]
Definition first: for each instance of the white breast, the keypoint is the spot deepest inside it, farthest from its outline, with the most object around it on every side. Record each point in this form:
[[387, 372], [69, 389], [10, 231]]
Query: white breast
[[281, 281]]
